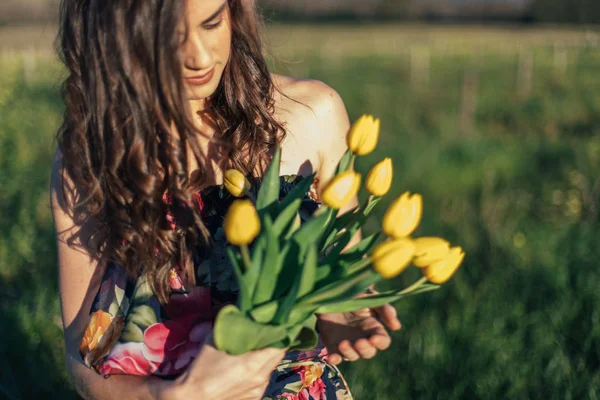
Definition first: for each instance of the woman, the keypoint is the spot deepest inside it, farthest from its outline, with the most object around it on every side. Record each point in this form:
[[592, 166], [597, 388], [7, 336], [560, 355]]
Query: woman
[[161, 98]]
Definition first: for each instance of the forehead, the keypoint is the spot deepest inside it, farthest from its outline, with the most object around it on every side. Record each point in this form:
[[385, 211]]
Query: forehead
[[200, 10]]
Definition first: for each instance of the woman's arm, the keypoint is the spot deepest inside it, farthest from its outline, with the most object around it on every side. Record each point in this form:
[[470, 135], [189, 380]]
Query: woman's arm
[[80, 273], [212, 375]]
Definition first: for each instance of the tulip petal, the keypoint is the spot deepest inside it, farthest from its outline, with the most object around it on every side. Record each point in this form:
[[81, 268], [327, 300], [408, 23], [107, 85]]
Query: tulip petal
[[241, 223], [379, 179], [429, 250], [403, 216], [341, 189], [391, 258], [440, 271]]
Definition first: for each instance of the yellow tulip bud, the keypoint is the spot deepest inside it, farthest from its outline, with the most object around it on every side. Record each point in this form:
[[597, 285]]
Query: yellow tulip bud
[[236, 183], [379, 179], [391, 258], [341, 189], [440, 271], [403, 216], [241, 223], [429, 250], [363, 135]]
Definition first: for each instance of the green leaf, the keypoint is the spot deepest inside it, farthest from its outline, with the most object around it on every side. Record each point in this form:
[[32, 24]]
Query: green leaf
[[236, 334], [371, 301], [307, 338], [244, 301], [356, 253], [286, 217], [271, 265], [339, 245], [309, 271], [270, 185], [252, 275], [328, 226], [265, 313], [299, 315], [323, 271], [365, 245], [337, 225], [344, 163], [311, 230], [351, 226], [347, 287], [291, 263], [281, 317], [371, 206]]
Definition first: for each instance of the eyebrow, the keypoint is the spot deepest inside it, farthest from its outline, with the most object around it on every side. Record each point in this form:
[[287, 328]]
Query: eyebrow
[[216, 13]]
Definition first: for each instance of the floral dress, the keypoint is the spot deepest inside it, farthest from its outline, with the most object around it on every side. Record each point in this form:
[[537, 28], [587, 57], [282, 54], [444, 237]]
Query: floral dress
[[130, 332]]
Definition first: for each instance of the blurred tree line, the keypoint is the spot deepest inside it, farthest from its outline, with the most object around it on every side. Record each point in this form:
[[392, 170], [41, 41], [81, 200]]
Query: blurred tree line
[[572, 11], [527, 11], [560, 11]]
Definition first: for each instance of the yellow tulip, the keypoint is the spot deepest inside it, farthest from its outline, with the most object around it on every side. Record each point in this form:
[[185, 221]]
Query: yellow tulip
[[440, 271], [363, 135], [379, 179], [429, 250], [403, 216], [241, 223], [236, 183], [391, 258], [341, 189]]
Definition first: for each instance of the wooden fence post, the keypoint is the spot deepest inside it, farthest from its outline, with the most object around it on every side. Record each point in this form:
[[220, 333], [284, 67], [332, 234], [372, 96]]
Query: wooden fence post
[[469, 100], [420, 65], [561, 59], [525, 74], [29, 65]]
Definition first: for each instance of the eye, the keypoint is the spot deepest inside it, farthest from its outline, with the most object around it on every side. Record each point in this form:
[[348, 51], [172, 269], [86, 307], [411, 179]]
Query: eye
[[214, 26]]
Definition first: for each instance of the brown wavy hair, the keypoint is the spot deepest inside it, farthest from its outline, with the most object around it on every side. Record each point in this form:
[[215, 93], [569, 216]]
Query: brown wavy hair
[[124, 100]]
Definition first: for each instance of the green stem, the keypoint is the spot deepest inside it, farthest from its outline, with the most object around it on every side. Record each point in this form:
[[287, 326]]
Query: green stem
[[414, 286], [349, 224], [360, 265], [246, 256], [251, 197], [351, 162]]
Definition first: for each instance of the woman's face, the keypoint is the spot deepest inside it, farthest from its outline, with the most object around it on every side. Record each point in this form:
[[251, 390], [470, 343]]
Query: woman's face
[[206, 47]]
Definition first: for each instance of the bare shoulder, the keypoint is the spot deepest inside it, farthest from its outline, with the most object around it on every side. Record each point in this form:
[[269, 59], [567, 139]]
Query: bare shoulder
[[315, 115], [308, 96]]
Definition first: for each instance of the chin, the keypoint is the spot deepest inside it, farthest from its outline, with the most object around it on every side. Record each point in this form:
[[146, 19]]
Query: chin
[[201, 93], [204, 91]]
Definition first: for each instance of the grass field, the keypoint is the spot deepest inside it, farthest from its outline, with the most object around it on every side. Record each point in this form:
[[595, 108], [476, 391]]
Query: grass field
[[498, 128]]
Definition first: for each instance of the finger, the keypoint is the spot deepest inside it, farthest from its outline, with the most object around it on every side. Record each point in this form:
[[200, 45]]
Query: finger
[[378, 336], [365, 349], [334, 359], [389, 316], [348, 351]]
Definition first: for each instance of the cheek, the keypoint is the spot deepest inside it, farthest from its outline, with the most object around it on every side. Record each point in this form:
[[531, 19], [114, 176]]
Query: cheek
[[224, 45], [222, 42]]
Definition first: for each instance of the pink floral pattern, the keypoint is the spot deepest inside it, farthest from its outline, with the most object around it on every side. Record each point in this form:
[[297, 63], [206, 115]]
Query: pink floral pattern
[[138, 336]]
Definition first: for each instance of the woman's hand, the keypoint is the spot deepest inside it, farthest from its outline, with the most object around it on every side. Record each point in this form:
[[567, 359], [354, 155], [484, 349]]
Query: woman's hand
[[217, 375], [358, 334]]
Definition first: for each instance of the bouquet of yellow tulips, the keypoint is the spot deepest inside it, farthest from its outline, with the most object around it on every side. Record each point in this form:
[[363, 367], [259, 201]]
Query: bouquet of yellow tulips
[[288, 272]]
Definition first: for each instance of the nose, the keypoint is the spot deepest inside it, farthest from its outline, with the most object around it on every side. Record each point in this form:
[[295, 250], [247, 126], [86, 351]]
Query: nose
[[196, 54]]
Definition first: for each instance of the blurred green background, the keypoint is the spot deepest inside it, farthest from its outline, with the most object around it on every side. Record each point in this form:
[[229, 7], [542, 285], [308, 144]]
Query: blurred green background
[[497, 126]]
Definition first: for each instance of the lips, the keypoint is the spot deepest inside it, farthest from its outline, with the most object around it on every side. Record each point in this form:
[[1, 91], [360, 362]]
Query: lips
[[201, 79]]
